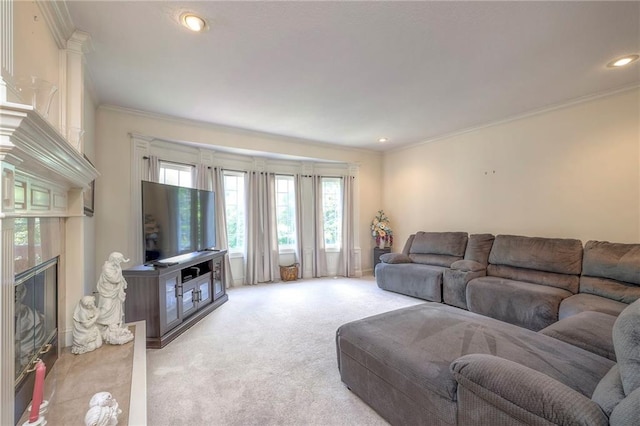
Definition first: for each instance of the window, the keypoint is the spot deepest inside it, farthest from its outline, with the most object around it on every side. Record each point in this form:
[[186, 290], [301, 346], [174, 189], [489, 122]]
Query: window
[[235, 209], [332, 211], [286, 212], [180, 175], [176, 174]]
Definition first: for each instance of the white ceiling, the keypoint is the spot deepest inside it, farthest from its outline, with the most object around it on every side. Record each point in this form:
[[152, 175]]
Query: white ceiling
[[348, 73]]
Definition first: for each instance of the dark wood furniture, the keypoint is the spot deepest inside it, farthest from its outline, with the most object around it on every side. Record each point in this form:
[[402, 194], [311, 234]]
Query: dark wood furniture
[[174, 297], [377, 252]]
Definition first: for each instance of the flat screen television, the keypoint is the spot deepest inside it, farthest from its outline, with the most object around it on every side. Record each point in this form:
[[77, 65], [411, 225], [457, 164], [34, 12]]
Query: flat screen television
[[176, 220]]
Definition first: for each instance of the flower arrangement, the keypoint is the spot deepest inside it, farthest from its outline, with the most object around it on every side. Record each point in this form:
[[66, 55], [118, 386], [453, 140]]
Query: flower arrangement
[[381, 231]]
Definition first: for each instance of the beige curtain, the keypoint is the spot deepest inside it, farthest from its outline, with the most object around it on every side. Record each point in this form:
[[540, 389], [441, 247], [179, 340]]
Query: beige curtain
[[319, 251], [216, 177], [300, 215], [346, 265], [202, 177], [262, 258]]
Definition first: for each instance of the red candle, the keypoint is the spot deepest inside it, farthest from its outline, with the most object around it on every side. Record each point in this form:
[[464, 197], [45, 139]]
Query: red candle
[[38, 390]]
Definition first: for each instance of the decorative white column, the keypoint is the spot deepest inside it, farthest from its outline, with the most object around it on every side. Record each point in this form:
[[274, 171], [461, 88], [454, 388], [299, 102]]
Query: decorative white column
[[356, 255], [78, 44], [7, 356], [140, 146]]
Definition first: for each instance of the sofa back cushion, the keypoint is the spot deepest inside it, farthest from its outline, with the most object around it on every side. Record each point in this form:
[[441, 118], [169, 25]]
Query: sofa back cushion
[[407, 245], [438, 248], [479, 247], [554, 262], [611, 270]]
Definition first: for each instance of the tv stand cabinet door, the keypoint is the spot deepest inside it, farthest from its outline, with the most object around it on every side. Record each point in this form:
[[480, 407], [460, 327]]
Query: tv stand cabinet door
[[218, 278], [170, 301]]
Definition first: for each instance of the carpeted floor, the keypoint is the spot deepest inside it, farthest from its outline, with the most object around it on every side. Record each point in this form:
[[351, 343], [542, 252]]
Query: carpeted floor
[[266, 357]]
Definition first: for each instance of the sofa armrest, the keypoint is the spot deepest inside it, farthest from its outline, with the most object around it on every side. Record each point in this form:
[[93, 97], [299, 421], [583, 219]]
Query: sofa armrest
[[395, 258], [454, 285], [521, 391]]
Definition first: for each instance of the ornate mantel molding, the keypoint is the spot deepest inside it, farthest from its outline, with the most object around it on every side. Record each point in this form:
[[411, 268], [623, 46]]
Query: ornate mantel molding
[[33, 146]]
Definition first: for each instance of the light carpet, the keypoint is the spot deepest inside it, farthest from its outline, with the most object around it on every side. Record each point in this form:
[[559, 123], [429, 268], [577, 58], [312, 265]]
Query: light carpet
[[266, 357]]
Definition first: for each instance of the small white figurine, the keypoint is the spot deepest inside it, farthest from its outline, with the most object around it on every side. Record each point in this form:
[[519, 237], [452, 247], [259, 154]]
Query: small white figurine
[[29, 328], [111, 287], [86, 335], [103, 410]]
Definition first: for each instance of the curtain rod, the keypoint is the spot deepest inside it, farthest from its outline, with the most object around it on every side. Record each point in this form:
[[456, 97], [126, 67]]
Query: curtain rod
[[174, 162]]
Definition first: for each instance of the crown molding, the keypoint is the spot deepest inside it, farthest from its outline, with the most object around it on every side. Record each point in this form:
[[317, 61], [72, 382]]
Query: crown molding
[[231, 129], [57, 16], [533, 113]]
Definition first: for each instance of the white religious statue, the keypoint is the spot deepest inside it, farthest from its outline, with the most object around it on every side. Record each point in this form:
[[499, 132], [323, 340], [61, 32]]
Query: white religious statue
[[29, 328], [86, 335], [103, 410], [111, 287]]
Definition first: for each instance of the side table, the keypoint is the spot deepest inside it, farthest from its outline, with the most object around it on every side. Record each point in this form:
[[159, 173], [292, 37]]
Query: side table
[[377, 252]]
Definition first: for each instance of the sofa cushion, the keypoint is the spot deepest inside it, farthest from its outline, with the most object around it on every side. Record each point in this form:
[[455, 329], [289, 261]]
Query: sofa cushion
[[609, 391], [626, 340], [588, 302], [411, 279], [526, 305], [588, 330], [479, 247], [395, 258], [563, 256], [567, 282]]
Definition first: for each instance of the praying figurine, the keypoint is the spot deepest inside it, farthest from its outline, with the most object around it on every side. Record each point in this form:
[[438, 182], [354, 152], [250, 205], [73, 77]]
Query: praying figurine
[[111, 286], [86, 335], [103, 410], [29, 328]]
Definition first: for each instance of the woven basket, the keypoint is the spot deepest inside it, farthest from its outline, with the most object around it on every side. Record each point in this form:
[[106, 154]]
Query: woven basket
[[289, 273]]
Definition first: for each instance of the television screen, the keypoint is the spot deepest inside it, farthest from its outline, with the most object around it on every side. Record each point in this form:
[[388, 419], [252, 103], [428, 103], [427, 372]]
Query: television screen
[[176, 220]]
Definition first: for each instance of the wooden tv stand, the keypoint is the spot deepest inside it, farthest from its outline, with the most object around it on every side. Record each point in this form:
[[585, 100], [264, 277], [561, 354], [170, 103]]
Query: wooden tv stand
[[173, 297]]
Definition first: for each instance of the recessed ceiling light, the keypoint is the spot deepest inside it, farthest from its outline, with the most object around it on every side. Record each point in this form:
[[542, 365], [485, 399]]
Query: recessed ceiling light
[[621, 62], [193, 22], [383, 140]]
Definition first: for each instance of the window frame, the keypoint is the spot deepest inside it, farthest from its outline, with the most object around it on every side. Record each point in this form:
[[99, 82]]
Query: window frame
[[181, 168], [236, 251], [337, 245], [291, 205]]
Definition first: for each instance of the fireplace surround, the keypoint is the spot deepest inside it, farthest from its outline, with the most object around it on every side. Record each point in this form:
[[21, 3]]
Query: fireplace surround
[[41, 230], [36, 326]]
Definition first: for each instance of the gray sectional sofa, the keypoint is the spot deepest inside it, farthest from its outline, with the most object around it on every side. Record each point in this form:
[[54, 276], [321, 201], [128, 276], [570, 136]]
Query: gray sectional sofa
[[529, 331]]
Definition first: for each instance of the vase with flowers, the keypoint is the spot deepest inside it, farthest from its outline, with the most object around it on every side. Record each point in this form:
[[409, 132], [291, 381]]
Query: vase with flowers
[[381, 230]]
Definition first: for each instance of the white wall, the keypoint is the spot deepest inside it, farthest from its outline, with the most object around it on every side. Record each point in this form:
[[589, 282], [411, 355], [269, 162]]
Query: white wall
[[570, 172], [113, 157], [36, 52]]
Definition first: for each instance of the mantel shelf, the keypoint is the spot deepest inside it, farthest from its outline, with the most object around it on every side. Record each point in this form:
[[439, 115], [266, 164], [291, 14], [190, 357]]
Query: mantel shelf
[[36, 148]]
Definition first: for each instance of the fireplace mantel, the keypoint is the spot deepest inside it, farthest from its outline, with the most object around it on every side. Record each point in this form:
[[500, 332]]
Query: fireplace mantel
[[36, 149]]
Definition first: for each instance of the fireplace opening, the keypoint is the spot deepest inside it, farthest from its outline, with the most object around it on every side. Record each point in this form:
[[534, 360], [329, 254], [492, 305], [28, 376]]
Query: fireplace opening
[[36, 309]]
